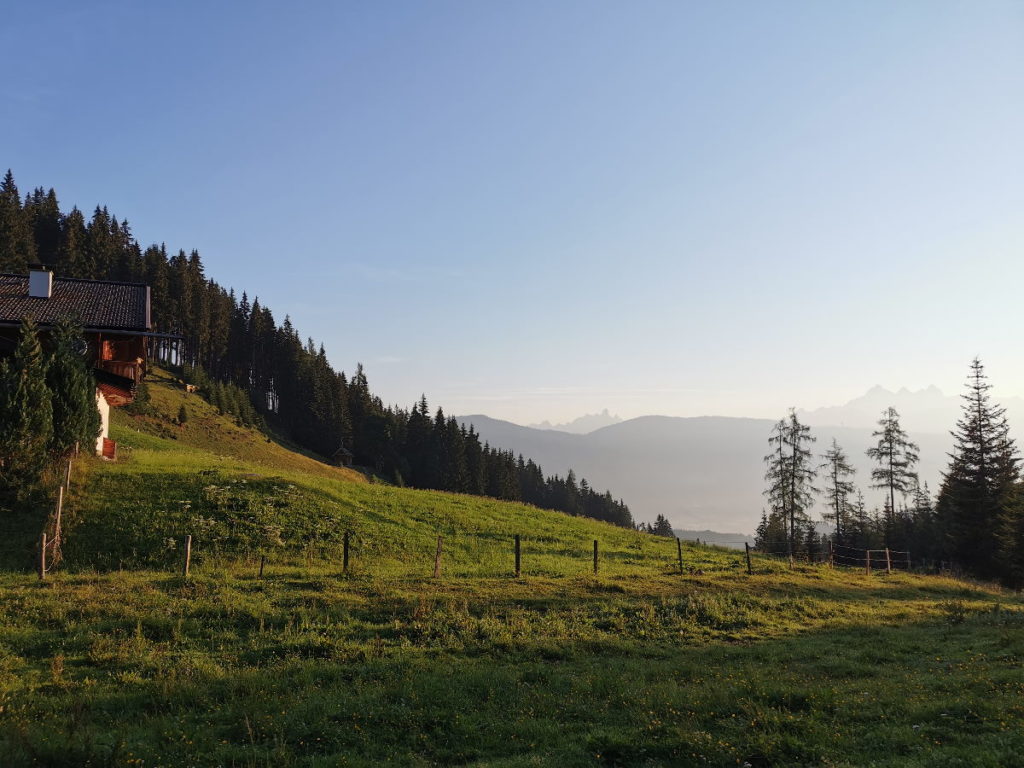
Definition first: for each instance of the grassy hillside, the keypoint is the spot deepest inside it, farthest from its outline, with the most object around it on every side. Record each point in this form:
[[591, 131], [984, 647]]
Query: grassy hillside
[[241, 495], [116, 660]]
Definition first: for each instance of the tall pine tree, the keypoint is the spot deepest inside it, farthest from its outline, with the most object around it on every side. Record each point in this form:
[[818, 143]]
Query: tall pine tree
[[977, 494]]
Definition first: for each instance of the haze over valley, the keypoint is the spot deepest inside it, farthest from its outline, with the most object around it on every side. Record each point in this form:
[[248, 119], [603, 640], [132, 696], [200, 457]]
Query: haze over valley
[[708, 472]]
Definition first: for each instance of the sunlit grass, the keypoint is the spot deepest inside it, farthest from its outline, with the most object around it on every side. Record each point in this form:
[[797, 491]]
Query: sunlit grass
[[118, 660]]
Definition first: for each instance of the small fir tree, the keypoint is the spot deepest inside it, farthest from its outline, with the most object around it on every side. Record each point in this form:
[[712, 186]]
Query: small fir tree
[[76, 418], [26, 415]]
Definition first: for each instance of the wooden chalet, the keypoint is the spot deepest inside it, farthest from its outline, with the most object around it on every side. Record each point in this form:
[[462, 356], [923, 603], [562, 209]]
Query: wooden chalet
[[115, 319], [343, 457]]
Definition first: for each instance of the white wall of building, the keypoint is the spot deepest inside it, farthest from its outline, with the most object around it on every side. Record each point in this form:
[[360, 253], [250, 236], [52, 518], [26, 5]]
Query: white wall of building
[[104, 409]]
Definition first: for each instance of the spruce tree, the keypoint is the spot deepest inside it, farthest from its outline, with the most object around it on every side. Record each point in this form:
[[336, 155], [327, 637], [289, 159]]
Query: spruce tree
[[26, 415], [71, 258], [43, 213], [76, 418], [976, 500], [662, 527], [17, 245], [860, 524], [1011, 538]]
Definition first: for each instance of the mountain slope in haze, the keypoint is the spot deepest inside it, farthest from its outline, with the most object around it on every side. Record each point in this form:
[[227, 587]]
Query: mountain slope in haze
[[703, 472]]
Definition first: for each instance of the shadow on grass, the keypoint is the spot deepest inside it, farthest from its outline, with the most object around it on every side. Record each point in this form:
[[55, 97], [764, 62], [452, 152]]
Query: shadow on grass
[[926, 693]]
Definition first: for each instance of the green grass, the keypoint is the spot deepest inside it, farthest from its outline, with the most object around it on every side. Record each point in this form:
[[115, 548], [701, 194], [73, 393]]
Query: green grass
[[309, 666]]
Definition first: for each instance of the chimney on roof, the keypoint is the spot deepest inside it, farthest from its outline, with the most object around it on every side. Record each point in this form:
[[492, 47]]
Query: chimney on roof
[[40, 281]]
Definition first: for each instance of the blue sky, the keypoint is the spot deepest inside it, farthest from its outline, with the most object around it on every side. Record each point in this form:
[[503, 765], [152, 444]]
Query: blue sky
[[536, 210]]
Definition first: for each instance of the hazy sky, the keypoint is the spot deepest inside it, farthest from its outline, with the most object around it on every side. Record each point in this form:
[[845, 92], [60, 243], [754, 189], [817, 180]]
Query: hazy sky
[[536, 210]]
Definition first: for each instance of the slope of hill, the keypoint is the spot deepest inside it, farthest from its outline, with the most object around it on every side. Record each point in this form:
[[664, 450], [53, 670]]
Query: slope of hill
[[116, 660], [705, 472]]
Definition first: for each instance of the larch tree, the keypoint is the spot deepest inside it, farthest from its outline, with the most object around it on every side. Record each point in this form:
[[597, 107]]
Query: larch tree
[[790, 475], [896, 457], [838, 488], [776, 477]]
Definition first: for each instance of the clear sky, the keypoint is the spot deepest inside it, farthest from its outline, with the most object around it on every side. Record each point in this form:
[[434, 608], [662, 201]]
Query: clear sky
[[540, 209]]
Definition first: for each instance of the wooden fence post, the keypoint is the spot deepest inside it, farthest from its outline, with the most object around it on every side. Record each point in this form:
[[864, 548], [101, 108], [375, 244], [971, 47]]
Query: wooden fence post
[[188, 557], [908, 561], [344, 552], [42, 556], [750, 570], [67, 476], [437, 560], [595, 557], [263, 561], [60, 512], [888, 561], [679, 549], [867, 562], [518, 555], [831, 555]]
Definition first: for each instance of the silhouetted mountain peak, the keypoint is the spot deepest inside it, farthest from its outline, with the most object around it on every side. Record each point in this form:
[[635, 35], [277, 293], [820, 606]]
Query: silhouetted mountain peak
[[582, 425]]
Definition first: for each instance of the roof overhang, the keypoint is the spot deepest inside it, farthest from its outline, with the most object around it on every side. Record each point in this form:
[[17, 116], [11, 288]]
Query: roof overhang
[[99, 329]]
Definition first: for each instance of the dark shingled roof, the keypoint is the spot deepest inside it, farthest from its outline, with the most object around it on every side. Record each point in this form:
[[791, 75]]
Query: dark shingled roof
[[99, 304]]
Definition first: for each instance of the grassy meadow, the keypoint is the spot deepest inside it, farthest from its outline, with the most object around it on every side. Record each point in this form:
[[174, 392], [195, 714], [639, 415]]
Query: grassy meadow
[[116, 660]]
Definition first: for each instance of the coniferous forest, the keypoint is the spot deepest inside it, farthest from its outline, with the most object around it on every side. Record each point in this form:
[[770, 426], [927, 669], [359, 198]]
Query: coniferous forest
[[975, 524], [260, 370]]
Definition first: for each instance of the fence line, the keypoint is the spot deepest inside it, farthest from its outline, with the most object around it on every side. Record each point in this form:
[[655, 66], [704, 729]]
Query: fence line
[[516, 551]]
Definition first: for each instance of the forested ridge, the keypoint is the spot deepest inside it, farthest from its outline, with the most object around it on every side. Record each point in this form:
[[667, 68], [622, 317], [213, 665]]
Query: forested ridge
[[233, 345]]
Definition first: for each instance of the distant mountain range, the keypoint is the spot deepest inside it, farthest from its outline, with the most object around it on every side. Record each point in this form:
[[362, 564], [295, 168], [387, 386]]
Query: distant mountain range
[[923, 410], [583, 424], [708, 472]]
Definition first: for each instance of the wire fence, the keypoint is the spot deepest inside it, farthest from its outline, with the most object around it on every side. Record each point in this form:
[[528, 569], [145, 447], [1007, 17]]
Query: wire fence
[[842, 555], [499, 554]]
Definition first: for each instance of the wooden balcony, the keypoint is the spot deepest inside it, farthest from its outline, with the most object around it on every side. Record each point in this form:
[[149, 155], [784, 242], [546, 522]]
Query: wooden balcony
[[129, 370]]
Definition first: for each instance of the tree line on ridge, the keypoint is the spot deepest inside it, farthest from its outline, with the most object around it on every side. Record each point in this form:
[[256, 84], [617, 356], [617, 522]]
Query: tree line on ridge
[[231, 345]]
